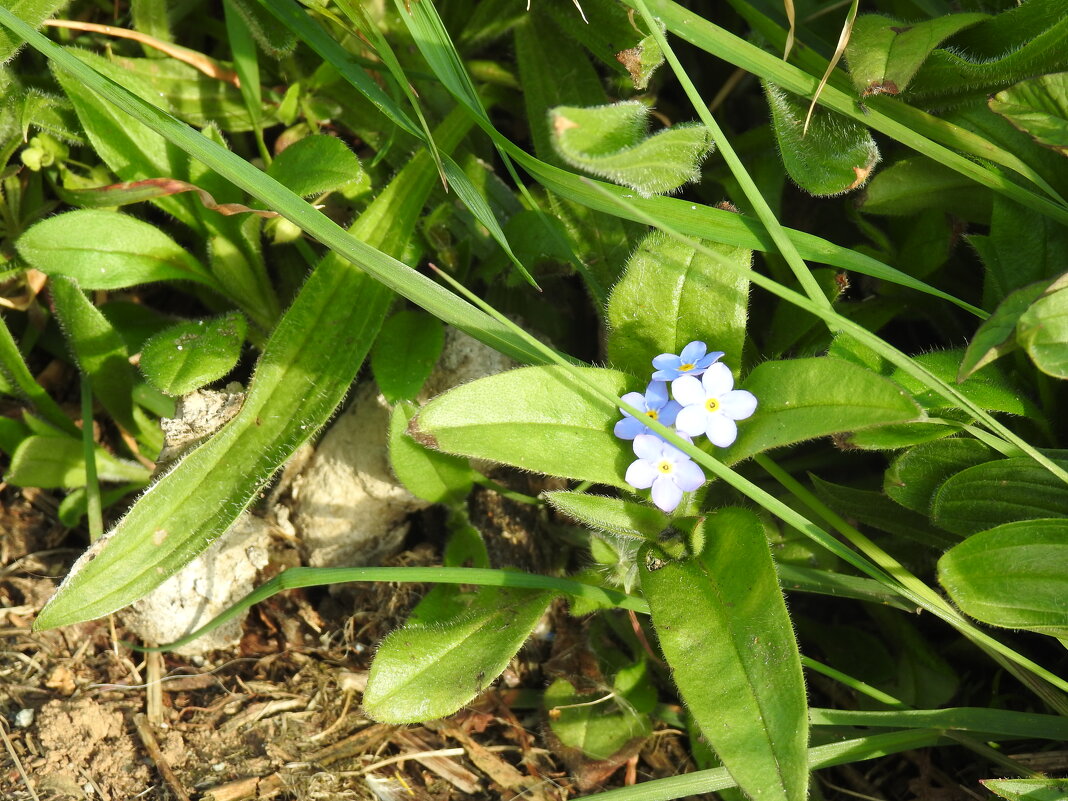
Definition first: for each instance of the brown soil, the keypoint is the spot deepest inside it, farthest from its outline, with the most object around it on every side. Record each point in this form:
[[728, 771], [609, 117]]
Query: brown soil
[[84, 717]]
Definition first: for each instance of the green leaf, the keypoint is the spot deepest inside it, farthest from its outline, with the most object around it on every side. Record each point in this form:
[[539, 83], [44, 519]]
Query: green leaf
[[16, 378], [998, 492], [642, 61], [316, 164], [53, 462], [987, 387], [913, 477], [611, 141], [670, 295], [833, 156], [32, 11], [1045, 789], [100, 354], [1039, 107], [275, 39], [802, 399], [424, 672], [613, 516], [599, 724], [996, 336], [1022, 42], [884, 54], [431, 475], [107, 250], [1042, 330], [407, 348], [918, 184], [1014, 576], [534, 418], [723, 627], [191, 354], [878, 511]]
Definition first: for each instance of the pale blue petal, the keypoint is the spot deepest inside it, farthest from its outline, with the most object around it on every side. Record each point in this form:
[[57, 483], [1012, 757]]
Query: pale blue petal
[[666, 361], [641, 474], [656, 394], [666, 494], [691, 420], [688, 476], [688, 391], [629, 428], [669, 413], [635, 399], [717, 380], [738, 404], [714, 356], [668, 374], [722, 431], [648, 446], [693, 352]]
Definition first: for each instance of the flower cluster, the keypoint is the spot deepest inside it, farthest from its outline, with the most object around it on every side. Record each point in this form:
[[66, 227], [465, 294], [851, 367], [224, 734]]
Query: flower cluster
[[704, 402]]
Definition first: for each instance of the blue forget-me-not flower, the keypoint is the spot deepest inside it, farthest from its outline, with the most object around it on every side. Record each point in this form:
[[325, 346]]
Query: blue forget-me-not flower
[[656, 406], [665, 468], [693, 360]]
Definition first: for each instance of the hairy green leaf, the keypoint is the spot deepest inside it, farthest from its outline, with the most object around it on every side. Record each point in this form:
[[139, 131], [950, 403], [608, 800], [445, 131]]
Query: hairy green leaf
[[431, 475], [1014, 576], [610, 515], [913, 477], [55, 461], [316, 164], [424, 672], [884, 53], [1039, 107], [108, 250], [998, 492], [670, 295], [802, 399], [535, 418], [723, 627], [611, 142], [1042, 330], [833, 156], [407, 348], [191, 354]]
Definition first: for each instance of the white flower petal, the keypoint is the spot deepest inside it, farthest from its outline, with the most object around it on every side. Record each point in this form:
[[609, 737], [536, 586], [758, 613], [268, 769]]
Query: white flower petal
[[738, 404], [688, 476], [648, 446], [687, 390], [666, 494], [641, 474], [717, 380], [721, 430], [692, 420]]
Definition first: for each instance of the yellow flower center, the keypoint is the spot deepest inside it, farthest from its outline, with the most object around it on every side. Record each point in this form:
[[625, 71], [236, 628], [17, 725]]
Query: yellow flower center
[[653, 414], [686, 367], [664, 466], [712, 405]]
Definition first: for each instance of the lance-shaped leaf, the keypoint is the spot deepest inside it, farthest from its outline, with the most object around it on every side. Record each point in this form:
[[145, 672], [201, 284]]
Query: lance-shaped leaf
[[884, 53], [100, 353], [996, 336], [998, 492], [913, 477], [1014, 576], [671, 295], [613, 516], [1042, 330], [108, 250], [405, 353], [193, 353], [801, 399], [611, 141], [723, 627], [1038, 107], [536, 418], [58, 461], [833, 156], [1028, 789], [424, 672], [434, 476]]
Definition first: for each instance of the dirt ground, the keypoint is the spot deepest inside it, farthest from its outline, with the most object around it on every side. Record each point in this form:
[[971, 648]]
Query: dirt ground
[[278, 717]]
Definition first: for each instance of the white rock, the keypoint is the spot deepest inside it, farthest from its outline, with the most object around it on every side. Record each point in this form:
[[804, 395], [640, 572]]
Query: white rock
[[223, 574]]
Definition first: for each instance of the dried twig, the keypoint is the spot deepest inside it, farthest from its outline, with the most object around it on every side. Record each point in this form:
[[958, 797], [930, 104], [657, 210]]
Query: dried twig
[[148, 739]]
